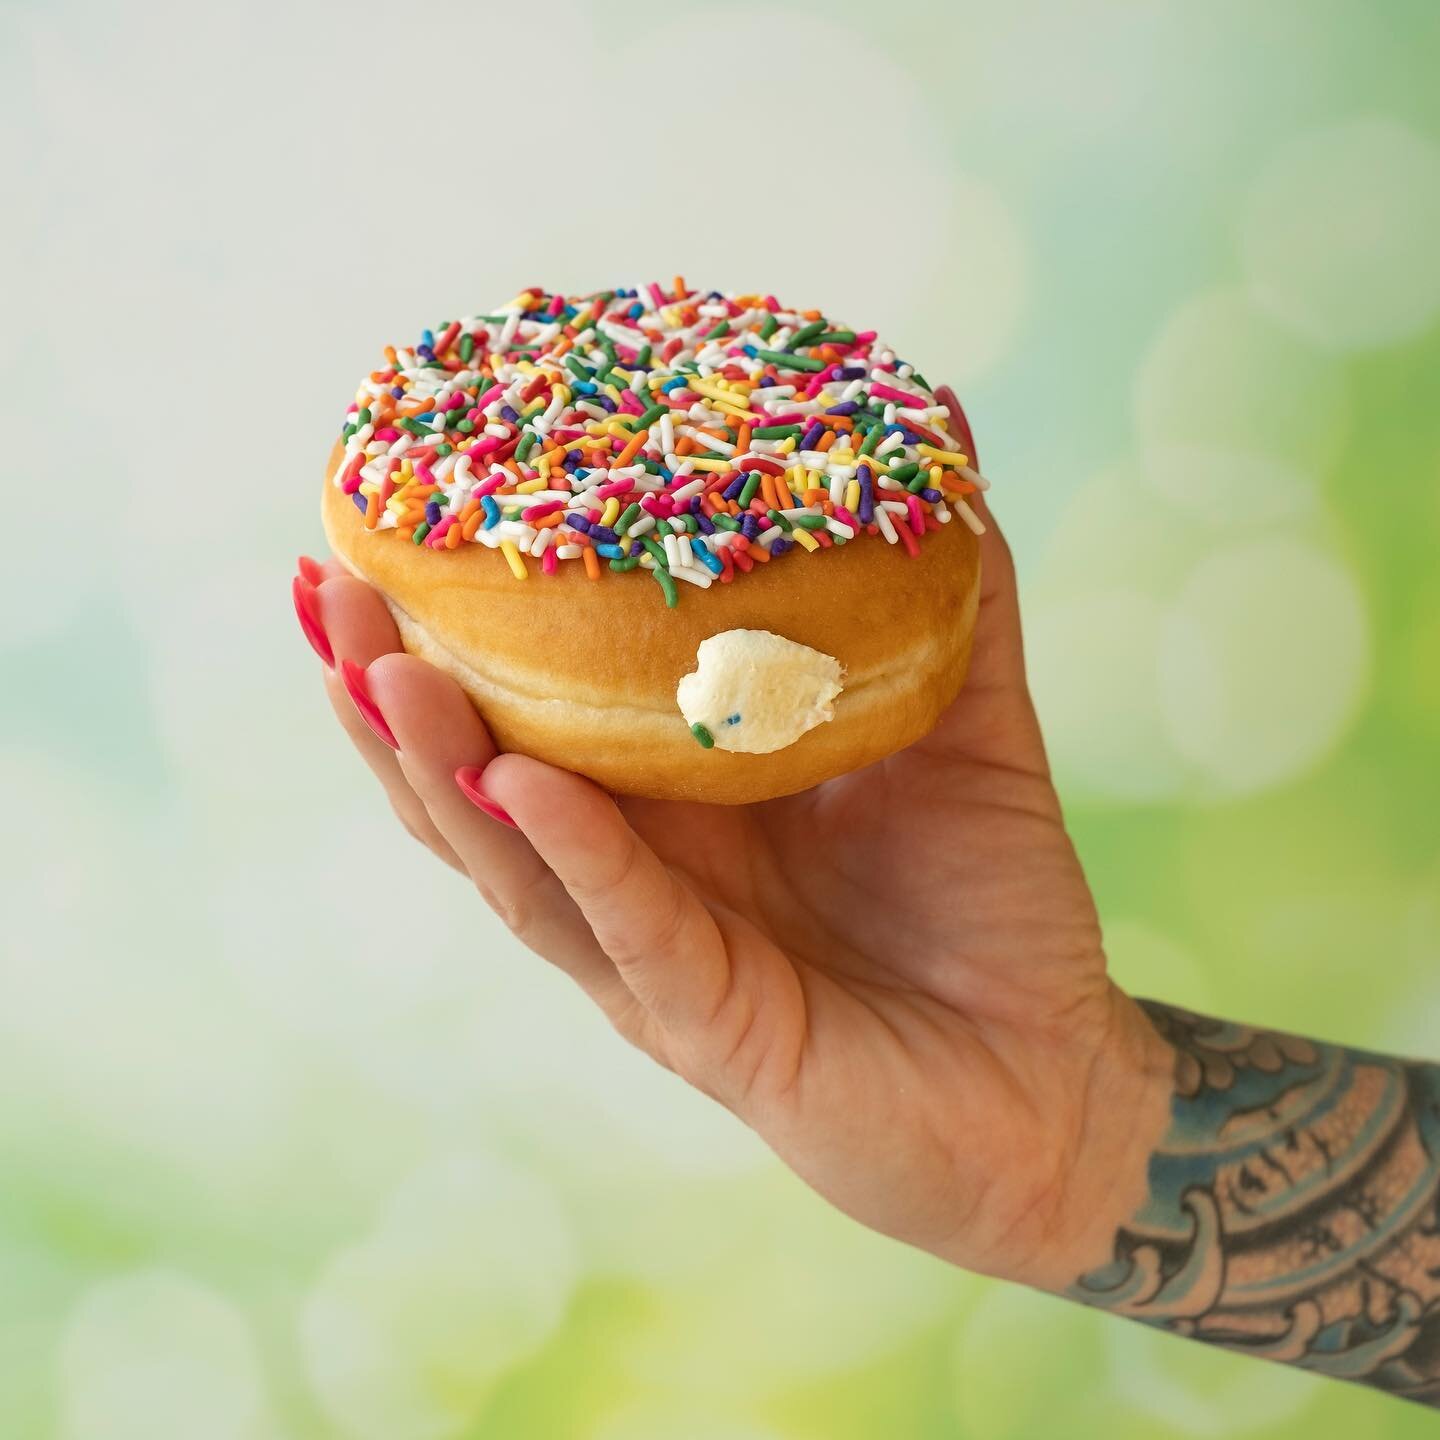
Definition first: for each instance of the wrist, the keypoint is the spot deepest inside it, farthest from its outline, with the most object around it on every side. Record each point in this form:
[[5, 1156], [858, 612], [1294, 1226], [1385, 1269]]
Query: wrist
[[1124, 1118]]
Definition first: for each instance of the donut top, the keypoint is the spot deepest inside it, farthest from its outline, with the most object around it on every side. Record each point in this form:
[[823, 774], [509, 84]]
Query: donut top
[[688, 435]]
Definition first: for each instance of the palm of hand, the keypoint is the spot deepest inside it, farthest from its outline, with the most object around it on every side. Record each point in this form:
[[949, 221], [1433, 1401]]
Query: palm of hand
[[907, 948]]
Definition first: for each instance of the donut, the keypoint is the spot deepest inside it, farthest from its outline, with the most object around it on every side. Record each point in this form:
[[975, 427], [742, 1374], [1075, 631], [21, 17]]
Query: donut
[[692, 545]]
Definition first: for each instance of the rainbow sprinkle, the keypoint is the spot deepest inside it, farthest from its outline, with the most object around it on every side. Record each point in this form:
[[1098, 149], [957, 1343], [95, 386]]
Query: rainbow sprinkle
[[685, 434]]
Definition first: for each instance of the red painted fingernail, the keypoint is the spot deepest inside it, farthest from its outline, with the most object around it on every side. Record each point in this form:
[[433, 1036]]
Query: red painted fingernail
[[354, 678], [312, 570], [307, 610], [467, 777]]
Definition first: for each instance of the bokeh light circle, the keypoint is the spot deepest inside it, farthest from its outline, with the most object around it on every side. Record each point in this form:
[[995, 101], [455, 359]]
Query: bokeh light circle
[[157, 1354], [467, 1274], [1338, 236], [1264, 662], [1235, 415], [1094, 620], [1093, 659]]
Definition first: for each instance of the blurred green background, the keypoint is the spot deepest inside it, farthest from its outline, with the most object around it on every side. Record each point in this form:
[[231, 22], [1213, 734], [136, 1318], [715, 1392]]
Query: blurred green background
[[294, 1142]]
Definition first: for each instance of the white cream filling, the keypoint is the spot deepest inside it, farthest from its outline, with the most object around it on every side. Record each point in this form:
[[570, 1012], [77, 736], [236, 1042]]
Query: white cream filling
[[756, 692]]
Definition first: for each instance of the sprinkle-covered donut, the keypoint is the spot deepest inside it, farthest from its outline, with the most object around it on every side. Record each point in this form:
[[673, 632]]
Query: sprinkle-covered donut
[[633, 446]]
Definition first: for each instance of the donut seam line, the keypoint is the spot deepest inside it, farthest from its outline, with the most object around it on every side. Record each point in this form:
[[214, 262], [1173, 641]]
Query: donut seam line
[[485, 686]]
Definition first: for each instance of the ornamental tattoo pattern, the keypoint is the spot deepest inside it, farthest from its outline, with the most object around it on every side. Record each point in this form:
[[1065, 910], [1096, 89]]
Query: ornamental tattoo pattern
[[1293, 1209]]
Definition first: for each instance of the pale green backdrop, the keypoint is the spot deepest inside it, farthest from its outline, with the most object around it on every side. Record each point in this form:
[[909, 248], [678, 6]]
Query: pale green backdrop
[[294, 1142]]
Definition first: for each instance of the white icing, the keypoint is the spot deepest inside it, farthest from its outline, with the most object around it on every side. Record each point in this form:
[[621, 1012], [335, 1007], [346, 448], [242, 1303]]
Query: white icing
[[756, 692]]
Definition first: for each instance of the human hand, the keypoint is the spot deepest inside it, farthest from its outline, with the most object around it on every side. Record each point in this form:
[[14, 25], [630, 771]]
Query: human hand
[[895, 978]]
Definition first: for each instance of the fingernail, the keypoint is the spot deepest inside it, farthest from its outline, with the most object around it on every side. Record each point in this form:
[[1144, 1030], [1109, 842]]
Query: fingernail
[[307, 610], [467, 777], [354, 677], [312, 570]]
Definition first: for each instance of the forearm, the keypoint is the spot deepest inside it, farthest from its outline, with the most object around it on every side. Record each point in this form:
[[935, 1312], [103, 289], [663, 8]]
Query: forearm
[[1292, 1207]]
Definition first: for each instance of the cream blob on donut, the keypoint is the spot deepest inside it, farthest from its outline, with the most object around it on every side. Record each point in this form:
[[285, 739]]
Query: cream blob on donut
[[754, 692], [691, 545]]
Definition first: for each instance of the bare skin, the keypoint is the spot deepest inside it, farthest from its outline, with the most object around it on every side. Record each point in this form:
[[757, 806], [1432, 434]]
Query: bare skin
[[860, 1002], [897, 978]]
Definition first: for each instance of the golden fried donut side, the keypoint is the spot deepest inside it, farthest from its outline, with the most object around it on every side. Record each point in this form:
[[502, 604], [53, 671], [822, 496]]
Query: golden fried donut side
[[582, 673]]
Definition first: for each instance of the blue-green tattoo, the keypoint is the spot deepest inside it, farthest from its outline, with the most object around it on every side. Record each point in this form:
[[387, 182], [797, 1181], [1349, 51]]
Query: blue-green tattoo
[[1293, 1209]]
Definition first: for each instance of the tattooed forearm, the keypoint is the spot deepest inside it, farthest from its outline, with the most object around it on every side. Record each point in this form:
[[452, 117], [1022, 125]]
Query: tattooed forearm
[[1293, 1209]]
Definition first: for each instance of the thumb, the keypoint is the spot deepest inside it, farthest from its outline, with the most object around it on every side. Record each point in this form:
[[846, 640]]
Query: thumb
[[997, 686], [665, 945]]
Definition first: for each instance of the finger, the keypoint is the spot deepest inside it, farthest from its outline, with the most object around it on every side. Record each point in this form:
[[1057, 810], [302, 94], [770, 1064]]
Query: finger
[[665, 945], [999, 658], [316, 572], [310, 574], [997, 661], [440, 734], [960, 423], [359, 629], [307, 612], [999, 592]]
